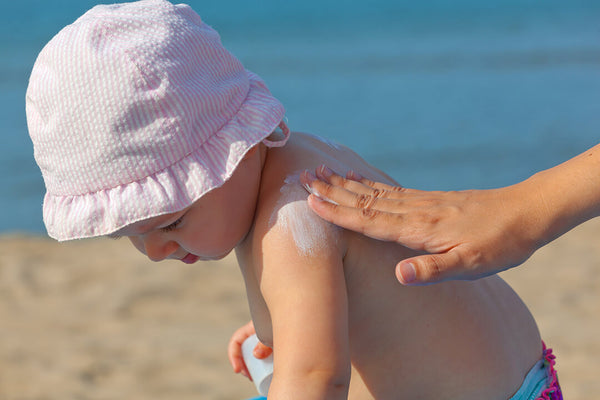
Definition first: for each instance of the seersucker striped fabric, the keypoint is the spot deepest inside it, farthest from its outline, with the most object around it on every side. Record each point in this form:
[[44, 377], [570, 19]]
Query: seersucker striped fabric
[[137, 110]]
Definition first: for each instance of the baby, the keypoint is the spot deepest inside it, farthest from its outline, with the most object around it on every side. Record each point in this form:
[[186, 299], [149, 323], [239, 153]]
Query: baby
[[144, 126]]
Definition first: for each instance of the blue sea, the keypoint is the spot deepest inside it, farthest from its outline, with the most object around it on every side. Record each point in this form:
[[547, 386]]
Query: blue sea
[[441, 94]]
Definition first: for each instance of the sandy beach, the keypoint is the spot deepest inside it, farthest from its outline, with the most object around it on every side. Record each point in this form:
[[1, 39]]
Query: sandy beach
[[95, 320]]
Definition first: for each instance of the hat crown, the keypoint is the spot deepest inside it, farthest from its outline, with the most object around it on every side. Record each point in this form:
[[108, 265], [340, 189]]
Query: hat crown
[[137, 110], [126, 91]]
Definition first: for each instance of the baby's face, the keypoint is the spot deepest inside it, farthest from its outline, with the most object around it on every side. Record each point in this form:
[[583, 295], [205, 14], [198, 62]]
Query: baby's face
[[207, 230]]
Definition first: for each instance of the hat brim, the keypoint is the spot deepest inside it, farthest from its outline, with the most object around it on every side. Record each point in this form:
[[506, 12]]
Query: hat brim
[[175, 187]]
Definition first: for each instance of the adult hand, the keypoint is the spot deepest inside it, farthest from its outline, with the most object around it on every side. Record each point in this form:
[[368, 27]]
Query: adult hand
[[234, 349], [467, 234]]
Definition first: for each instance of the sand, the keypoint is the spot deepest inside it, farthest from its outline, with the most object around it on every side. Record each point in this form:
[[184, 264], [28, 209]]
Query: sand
[[94, 319]]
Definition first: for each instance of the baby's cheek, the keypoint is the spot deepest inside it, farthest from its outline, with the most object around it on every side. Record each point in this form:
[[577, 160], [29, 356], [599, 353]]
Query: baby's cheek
[[138, 244]]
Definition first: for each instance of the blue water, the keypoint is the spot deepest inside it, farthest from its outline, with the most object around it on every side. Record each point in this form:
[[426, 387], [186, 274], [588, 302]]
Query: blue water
[[441, 94]]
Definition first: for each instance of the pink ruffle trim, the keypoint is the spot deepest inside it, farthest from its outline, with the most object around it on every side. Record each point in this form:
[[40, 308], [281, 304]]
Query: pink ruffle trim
[[553, 392]]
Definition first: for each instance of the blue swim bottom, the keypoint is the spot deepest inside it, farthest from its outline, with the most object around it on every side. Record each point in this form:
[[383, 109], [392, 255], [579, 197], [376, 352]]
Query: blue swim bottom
[[541, 382]]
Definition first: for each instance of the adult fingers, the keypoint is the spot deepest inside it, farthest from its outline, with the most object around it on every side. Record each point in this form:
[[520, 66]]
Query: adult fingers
[[368, 221], [355, 182], [361, 185], [335, 193], [354, 176], [341, 194], [327, 176]]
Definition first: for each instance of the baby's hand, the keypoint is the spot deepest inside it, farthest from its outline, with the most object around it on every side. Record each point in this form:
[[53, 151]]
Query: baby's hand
[[234, 349]]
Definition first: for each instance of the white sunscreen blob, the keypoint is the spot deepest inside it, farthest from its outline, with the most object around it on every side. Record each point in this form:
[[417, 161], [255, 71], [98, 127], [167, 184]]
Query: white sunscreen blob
[[293, 214]]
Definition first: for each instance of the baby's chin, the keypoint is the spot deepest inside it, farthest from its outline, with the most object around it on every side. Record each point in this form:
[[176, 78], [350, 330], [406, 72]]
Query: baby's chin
[[214, 258]]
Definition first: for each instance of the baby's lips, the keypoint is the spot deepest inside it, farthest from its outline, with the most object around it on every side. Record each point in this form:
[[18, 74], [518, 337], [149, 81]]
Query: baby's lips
[[190, 258]]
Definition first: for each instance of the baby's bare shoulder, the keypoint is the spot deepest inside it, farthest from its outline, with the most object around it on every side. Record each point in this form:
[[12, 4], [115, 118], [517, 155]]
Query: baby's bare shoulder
[[286, 216]]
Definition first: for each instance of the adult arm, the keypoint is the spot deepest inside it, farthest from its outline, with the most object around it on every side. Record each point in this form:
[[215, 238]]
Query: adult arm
[[467, 234]]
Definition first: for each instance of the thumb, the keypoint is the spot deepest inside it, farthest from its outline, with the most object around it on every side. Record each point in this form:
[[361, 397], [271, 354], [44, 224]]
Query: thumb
[[262, 351], [430, 268]]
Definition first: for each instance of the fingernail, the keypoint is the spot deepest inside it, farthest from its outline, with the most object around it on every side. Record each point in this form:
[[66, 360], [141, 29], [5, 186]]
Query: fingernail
[[408, 272], [354, 175], [322, 199], [315, 197], [325, 171], [309, 176]]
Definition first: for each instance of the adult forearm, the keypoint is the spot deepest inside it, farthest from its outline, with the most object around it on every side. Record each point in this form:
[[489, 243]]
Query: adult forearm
[[569, 194]]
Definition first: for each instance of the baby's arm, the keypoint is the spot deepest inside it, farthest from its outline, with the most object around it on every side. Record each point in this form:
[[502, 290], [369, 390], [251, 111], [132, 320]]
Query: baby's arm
[[305, 292]]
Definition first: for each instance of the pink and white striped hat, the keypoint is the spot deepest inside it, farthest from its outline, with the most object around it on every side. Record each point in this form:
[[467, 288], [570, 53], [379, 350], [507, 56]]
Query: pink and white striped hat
[[137, 110]]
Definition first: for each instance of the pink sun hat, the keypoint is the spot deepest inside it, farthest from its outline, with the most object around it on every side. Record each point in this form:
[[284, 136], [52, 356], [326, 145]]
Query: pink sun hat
[[137, 110]]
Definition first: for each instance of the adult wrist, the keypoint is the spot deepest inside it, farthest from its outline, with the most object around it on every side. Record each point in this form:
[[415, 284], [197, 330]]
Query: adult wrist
[[562, 203]]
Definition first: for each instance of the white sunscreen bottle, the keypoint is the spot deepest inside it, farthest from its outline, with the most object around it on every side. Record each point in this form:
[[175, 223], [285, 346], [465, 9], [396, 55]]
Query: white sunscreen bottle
[[261, 371]]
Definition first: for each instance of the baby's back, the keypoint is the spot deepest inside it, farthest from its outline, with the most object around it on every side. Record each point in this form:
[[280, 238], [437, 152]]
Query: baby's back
[[462, 339], [467, 340]]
